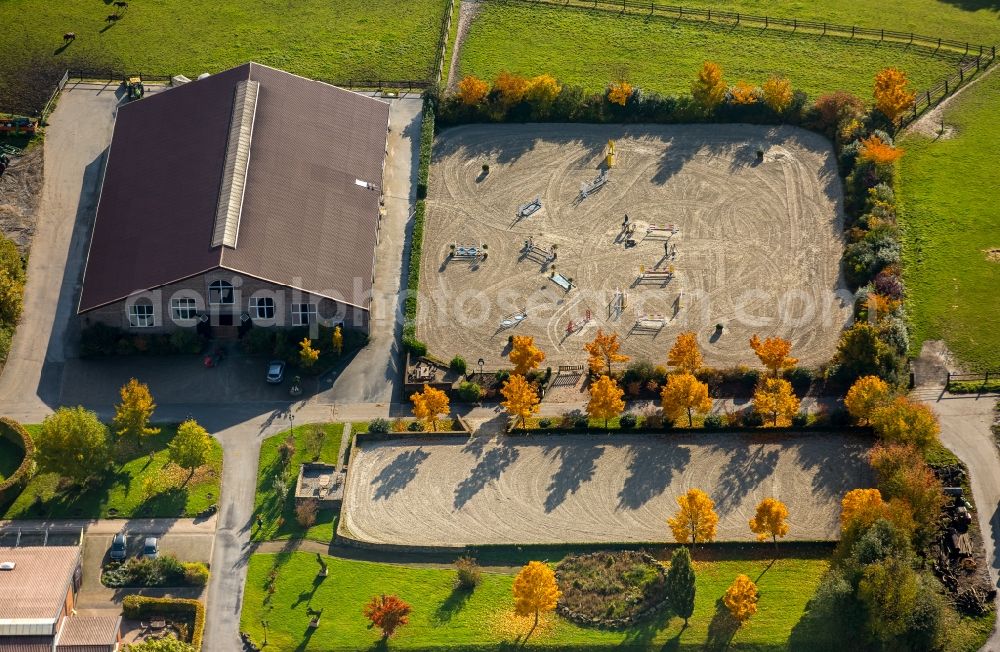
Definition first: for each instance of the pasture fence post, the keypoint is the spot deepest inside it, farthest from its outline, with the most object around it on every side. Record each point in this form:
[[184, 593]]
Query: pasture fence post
[[853, 29]]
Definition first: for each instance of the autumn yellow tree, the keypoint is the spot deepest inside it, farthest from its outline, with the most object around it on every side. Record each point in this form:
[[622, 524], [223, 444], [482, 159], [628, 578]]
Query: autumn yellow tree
[[777, 92], [695, 520], [685, 354], [307, 354], [866, 395], [510, 88], [472, 90], [521, 398], [684, 393], [604, 351], [535, 591], [543, 91], [771, 520], [337, 340], [605, 399], [861, 507], [892, 94], [524, 355], [775, 398], [429, 405], [878, 151], [906, 422], [743, 93], [619, 92], [132, 415], [709, 89], [773, 353], [741, 598]]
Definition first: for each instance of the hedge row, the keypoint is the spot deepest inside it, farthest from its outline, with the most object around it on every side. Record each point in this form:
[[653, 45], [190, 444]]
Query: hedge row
[[15, 433], [974, 386], [410, 340], [138, 607]]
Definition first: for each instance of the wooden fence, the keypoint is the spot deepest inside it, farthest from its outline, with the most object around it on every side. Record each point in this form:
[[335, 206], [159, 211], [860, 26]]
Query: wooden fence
[[973, 378], [968, 68]]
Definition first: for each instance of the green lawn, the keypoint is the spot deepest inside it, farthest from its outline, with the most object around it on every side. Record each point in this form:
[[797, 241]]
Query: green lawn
[[146, 484], [279, 516], [11, 457], [589, 48], [338, 40], [445, 619], [949, 199]]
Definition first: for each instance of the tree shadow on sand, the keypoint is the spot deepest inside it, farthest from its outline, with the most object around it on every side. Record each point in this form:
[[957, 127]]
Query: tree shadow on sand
[[578, 463], [748, 466], [651, 466], [489, 468], [399, 473]]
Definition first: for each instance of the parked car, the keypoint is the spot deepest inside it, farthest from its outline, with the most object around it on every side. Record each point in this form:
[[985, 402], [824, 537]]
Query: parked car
[[151, 548], [275, 372], [118, 547]]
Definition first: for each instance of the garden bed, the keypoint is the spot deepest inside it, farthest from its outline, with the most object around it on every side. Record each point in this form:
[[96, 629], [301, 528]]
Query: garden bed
[[611, 589], [160, 572]]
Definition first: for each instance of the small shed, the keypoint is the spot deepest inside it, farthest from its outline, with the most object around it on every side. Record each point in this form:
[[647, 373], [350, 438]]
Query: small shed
[[321, 482]]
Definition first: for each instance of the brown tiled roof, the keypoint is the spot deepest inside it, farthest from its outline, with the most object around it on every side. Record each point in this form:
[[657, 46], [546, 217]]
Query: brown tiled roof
[[36, 588], [304, 220], [25, 644], [80, 633]]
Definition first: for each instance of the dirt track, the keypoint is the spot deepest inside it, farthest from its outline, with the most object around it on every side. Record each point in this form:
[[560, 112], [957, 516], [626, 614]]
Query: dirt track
[[758, 247], [592, 488]]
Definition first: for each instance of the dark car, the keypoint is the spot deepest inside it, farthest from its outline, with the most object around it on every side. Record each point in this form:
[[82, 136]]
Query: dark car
[[151, 548], [275, 372], [118, 547]]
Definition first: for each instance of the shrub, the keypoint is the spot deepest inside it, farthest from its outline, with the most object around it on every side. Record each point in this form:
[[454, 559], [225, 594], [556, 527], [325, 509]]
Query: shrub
[[800, 420], [469, 392], [399, 425], [627, 421], [457, 364], [544, 423], [15, 433], [186, 341], [581, 423], [415, 426], [469, 573], [305, 513], [752, 419], [415, 346], [195, 573], [379, 426], [800, 379]]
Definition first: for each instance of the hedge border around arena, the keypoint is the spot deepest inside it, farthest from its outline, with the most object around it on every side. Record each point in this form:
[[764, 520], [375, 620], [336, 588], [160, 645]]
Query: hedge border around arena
[[410, 341], [15, 433], [138, 607]]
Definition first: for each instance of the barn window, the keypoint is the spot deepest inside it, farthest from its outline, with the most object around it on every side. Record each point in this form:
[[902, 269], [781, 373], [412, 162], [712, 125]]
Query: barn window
[[220, 292], [140, 314], [262, 307]]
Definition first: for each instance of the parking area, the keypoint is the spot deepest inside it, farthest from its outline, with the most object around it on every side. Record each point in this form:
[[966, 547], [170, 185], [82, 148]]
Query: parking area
[[593, 488]]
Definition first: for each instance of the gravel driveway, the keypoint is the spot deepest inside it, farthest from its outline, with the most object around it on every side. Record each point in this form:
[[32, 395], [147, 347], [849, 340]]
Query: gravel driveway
[[592, 488]]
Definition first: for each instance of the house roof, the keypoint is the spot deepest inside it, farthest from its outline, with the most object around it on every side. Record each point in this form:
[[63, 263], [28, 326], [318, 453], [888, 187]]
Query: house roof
[[291, 166], [25, 644], [84, 633], [35, 590]]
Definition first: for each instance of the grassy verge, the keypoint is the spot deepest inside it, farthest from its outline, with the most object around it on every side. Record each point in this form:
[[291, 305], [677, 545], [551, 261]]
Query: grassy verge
[[452, 36], [974, 387], [143, 484], [446, 619], [948, 201], [277, 514], [591, 48]]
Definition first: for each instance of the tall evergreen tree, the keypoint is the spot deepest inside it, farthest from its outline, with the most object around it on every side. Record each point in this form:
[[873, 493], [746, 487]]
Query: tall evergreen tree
[[680, 583]]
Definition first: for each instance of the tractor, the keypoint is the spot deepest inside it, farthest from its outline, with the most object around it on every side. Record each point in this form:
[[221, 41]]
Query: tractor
[[134, 88]]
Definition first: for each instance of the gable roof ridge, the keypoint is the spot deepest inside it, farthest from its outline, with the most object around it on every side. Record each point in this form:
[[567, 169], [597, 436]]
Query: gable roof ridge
[[237, 160]]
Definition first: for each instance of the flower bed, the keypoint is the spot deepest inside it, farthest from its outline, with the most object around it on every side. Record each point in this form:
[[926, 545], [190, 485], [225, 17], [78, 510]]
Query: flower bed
[[162, 571], [611, 589]]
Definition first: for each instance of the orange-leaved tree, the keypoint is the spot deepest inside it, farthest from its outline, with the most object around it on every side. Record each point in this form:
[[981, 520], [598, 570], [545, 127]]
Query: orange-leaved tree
[[743, 93], [685, 355], [866, 395], [904, 475], [777, 92], [771, 520], [307, 354], [741, 598], [521, 398], [524, 355], [535, 591], [619, 92], [906, 422], [429, 405], [684, 393], [879, 152], [472, 90], [605, 399], [861, 506], [709, 89], [775, 398], [388, 613], [132, 415], [604, 351], [892, 93], [510, 88], [773, 353], [695, 520]]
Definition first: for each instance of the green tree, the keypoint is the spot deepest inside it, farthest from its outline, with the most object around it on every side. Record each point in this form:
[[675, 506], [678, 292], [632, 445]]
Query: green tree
[[190, 447], [860, 352], [888, 588], [132, 415], [74, 444], [680, 583]]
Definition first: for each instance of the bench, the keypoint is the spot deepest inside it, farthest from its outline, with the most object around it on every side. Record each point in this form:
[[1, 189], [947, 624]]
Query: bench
[[649, 323]]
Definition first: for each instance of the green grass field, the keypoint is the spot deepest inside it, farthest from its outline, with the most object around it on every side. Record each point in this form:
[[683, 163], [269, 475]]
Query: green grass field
[[279, 516], [589, 48], [949, 199], [145, 485], [340, 40], [446, 619]]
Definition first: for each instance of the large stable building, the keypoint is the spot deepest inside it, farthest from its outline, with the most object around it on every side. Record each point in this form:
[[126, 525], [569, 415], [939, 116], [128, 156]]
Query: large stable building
[[249, 197]]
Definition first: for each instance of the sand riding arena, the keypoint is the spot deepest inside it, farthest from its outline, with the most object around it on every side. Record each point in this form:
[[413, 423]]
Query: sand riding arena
[[736, 225]]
